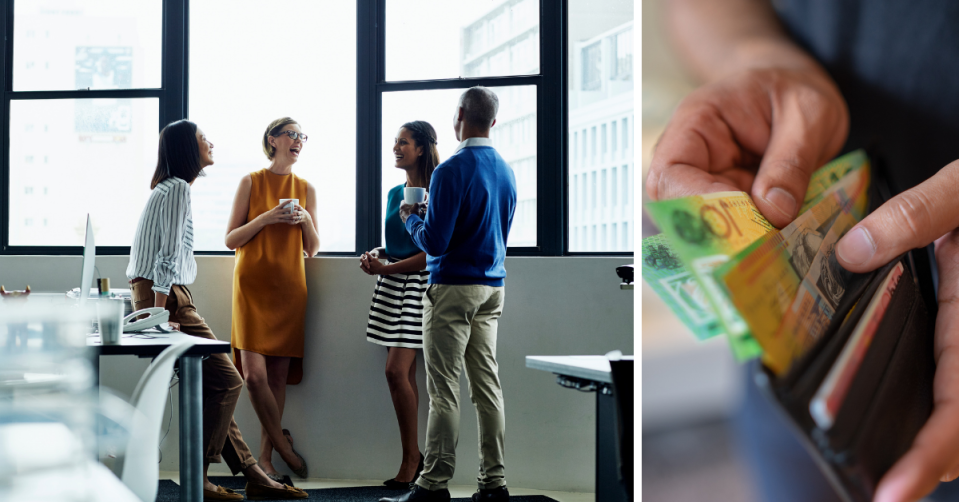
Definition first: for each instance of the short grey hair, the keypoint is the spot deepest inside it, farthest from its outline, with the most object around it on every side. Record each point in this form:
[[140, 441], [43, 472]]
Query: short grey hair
[[479, 106]]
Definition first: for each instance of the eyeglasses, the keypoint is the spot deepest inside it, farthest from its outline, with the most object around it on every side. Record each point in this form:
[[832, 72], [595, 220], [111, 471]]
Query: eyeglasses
[[293, 135]]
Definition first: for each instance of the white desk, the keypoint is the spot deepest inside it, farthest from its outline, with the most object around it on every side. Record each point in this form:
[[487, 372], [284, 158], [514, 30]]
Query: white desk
[[593, 373]]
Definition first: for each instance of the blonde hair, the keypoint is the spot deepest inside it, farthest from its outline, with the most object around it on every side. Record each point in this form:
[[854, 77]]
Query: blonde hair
[[273, 130]]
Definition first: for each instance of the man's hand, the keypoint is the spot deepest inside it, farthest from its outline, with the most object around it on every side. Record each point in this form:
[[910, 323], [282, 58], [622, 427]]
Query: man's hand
[[761, 131], [407, 209], [926, 213]]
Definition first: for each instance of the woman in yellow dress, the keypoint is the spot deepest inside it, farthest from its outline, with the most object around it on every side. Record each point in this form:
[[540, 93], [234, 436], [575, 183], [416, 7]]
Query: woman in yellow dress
[[269, 284]]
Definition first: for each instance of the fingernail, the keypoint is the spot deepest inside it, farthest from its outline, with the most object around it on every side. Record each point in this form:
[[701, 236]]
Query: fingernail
[[856, 247], [782, 200]]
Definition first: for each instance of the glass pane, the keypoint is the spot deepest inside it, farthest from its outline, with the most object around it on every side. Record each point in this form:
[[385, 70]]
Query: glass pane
[[461, 38], [600, 60], [304, 68], [70, 157], [514, 137], [79, 44]]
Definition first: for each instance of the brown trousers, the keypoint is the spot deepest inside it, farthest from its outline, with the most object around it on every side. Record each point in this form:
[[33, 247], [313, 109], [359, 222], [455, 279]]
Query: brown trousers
[[221, 382]]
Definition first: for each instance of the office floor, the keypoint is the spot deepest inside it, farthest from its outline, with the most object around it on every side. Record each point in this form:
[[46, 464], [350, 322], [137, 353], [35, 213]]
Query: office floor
[[455, 491]]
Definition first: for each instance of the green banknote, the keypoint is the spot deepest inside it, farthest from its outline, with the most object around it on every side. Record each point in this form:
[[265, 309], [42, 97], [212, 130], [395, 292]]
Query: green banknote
[[676, 286], [705, 231]]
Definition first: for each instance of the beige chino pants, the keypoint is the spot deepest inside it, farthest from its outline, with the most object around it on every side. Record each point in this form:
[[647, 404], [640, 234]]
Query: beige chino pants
[[459, 326]]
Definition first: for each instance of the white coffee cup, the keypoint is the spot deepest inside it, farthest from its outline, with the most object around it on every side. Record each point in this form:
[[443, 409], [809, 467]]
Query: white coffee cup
[[291, 202], [110, 320], [413, 195]]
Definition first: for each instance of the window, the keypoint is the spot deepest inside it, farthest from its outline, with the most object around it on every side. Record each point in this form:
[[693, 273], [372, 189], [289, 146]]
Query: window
[[94, 137], [612, 135], [91, 82], [600, 96], [603, 187], [465, 38], [469, 42], [613, 191], [89, 44], [602, 140], [234, 112], [592, 67], [117, 137]]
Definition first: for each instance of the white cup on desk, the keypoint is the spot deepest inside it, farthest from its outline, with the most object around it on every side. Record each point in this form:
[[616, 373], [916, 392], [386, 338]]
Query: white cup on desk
[[110, 320], [291, 203], [414, 195]]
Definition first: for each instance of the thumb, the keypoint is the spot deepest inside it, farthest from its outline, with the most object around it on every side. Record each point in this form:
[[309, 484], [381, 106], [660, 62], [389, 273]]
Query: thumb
[[791, 157], [909, 220]]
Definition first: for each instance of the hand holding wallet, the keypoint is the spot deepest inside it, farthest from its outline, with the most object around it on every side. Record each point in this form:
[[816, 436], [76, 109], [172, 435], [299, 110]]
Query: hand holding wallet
[[862, 393]]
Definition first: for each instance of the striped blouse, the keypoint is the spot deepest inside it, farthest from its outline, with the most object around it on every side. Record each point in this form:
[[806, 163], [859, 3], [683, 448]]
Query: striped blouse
[[162, 249]]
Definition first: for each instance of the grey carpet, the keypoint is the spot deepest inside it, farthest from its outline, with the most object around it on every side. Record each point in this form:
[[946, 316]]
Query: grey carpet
[[170, 492]]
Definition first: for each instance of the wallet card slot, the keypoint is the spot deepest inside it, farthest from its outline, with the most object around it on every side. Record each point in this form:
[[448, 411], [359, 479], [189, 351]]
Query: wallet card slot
[[801, 383], [867, 445], [872, 371]]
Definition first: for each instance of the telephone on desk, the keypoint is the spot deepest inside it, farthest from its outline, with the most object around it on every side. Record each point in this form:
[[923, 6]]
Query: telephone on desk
[[157, 317]]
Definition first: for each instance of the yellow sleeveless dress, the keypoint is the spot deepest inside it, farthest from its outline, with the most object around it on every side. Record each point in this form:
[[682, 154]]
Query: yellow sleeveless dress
[[269, 279]]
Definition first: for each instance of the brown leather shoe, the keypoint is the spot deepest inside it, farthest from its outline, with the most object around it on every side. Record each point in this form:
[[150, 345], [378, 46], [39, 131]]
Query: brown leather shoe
[[262, 492], [221, 494]]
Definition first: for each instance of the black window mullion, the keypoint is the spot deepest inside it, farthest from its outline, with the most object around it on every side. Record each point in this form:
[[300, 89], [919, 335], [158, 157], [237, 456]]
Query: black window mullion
[[459, 83], [551, 115], [175, 33], [368, 69], [6, 79]]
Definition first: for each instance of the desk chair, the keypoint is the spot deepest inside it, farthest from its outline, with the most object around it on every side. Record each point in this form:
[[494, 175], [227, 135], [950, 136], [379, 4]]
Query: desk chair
[[138, 467]]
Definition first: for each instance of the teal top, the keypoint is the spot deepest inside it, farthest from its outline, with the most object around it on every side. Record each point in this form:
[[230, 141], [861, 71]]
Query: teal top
[[399, 244]]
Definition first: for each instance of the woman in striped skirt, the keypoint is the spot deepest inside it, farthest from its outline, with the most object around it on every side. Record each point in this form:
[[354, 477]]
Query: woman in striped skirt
[[396, 314]]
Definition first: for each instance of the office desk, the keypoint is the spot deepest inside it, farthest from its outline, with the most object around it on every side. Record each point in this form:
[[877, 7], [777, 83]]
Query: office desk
[[592, 373], [150, 344]]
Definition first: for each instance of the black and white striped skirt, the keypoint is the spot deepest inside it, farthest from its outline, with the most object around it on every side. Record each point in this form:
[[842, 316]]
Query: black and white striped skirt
[[396, 314]]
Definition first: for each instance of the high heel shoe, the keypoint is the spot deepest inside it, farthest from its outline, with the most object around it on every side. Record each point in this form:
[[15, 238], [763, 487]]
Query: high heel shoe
[[303, 471], [393, 484]]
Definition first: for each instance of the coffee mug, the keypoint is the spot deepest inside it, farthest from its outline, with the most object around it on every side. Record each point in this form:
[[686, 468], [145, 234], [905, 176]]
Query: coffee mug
[[110, 320], [413, 195], [292, 203]]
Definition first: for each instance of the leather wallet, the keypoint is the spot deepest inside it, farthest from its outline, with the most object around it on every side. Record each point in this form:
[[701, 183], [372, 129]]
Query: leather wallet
[[890, 397]]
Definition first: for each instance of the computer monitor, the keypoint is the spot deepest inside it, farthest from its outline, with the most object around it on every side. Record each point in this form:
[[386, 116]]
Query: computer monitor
[[89, 256]]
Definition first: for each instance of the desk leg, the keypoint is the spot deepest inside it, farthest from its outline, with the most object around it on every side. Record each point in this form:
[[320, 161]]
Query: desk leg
[[608, 486], [191, 429]]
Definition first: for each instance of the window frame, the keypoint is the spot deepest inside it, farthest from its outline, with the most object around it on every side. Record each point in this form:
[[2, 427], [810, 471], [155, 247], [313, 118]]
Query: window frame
[[171, 94], [553, 197]]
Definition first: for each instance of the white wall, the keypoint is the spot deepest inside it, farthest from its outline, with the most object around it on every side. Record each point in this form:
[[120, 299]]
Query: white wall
[[341, 416]]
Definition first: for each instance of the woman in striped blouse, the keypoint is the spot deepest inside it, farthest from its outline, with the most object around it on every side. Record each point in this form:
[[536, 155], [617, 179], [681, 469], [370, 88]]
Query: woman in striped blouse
[[161, 265], [396, 315]]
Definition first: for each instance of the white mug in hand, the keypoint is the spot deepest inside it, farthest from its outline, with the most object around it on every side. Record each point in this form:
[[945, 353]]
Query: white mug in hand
[[291, 203], [413, 195]]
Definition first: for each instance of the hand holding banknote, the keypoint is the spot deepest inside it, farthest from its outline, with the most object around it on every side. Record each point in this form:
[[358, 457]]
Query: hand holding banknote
[[760, 131], [926, 213]]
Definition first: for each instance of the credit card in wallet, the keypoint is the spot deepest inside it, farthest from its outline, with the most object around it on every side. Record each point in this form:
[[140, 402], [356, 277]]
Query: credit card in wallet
[[825, 404]]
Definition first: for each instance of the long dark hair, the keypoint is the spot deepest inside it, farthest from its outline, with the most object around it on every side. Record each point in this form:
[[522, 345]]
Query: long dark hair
[[424, 135], [179, 154]]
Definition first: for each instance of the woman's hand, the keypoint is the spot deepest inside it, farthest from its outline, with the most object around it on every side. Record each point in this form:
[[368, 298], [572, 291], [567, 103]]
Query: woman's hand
[[912, 219], [301, 216], [370, 263], [279, 214]]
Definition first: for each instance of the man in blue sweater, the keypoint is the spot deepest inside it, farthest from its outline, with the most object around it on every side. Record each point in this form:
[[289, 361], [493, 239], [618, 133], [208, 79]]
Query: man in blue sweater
[[467, 221]]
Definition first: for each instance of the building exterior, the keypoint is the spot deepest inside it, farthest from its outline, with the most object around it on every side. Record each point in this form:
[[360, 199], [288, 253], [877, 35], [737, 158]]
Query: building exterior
[[505, 41], [600, 142]]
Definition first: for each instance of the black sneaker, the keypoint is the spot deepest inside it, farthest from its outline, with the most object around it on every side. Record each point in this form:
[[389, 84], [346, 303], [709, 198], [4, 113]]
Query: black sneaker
[[420, 494], [494, 494]]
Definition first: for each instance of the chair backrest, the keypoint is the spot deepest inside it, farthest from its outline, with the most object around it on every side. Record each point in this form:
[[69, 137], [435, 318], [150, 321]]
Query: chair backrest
[[140, 469]]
